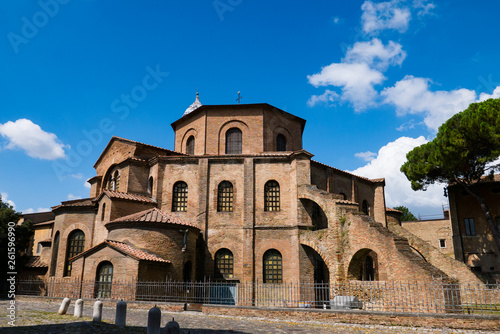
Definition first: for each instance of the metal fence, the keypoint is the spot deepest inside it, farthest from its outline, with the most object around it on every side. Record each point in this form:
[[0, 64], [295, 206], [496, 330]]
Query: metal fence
[[432, 297]]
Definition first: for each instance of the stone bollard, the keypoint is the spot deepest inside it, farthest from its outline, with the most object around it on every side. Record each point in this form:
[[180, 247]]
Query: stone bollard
[[97, 314], [78, 308], [172, 327], [64, 306], [121, 313], [154, 320]]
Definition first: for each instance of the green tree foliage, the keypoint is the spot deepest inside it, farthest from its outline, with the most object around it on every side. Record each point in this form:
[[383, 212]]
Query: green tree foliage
[[462, 154], [407, 215], [23, 234]]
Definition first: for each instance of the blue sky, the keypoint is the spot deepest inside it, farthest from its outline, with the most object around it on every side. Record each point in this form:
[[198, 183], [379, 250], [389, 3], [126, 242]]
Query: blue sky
[[373, 79]]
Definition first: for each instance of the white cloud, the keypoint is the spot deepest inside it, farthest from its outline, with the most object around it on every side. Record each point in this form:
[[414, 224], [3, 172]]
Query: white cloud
[[411, 95], [406, 126], [384, 15], [398, 190], [72, 197], [5, 199], [366, 156], [336, 20], [423, 7], [30, 210], [28, 136], [327, 98], [86, 185], [356, 80], [375, 54], [494, 95]]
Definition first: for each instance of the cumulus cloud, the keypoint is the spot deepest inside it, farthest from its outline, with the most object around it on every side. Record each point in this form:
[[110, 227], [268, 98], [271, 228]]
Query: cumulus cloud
[[494, 95], [376, 54], [356, 80], [385, 15], [5, 199], [412, 95], [86, 185], [72, 197], [25, 135], [398, 190], [327, 98], [31, 210], [366, 156]]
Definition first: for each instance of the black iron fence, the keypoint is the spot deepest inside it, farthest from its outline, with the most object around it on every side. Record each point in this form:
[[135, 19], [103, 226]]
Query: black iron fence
[[431, 297]]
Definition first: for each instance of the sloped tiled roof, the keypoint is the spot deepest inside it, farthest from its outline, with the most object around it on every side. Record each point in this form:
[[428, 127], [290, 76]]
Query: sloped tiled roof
[[75, 203], [128, 196], [34, 262], [46, 240], [343, 201], [153, 215], [392, 210], [343, 171], [129, 250]]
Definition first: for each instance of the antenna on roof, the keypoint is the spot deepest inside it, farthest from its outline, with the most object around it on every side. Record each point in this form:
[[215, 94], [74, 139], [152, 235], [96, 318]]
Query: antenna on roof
[[239, 97]]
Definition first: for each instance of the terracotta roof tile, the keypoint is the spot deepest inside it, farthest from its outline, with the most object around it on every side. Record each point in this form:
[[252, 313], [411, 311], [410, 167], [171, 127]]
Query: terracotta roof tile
[[75, 203], [135, 252], [46, 240], [343, 201], [34, 262], [343, 171], [392, 210], [128, 196], [153, 215]]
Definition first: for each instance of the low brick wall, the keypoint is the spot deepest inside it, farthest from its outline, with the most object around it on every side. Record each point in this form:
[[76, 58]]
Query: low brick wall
[[455, 321]]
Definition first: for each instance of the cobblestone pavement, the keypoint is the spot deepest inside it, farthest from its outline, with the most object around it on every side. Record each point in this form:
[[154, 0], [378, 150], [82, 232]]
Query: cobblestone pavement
[[41, 317]]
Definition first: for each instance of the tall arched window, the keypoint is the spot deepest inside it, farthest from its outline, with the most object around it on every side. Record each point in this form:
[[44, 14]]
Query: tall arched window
[[104, 279], [365, 207], [224, 263], [190, 145], [233, 141], [55, 253], [116, 178], [180, 194], [273, 269], [280, 143], [76, 244], [272, 196], [225, 197], [150, 186]]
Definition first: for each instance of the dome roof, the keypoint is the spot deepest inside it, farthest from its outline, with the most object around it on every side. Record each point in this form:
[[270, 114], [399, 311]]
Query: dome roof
[[196, 104]]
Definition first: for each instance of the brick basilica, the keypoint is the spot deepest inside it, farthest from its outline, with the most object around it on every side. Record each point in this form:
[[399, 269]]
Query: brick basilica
[[238, 199]]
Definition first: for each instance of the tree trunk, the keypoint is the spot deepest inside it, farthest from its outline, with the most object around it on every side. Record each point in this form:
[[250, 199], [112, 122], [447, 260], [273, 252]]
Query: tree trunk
[[487, 213]]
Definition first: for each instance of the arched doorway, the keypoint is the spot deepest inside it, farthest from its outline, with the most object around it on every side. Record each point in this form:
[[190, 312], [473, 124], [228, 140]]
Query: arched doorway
[[364, 266], [186, 273], [316, 271]]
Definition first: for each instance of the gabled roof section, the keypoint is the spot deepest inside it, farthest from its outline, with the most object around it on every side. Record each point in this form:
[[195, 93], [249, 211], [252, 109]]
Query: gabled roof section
[[125, 196], [85, 202], [153, 215], [202, 108], [39, 217], [379, 180], [137, 145], [125, 249]]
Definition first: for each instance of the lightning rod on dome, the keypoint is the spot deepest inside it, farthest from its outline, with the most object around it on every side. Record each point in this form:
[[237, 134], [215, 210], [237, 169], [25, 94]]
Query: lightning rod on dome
[[239, 97]]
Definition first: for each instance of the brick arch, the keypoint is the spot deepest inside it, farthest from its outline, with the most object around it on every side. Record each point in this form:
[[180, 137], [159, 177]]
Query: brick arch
[[187, 134], [279, 130], [245, 131], [323, 253], [358, 257], [316, 199]]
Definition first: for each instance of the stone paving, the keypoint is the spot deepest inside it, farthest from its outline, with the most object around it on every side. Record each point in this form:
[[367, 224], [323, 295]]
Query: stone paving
[[41, 317]]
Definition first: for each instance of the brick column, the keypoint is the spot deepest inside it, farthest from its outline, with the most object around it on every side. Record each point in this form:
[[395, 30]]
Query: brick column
[[202, 211], [249, 221]]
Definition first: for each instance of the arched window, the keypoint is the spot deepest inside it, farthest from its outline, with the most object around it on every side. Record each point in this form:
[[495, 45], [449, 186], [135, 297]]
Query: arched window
[[272, 196], [104, 278], [365, 207], [114, 182], [179, 201], [103, 211], [224, 263], [233, 141], [273, 269], [280, 143], [150, 186], [225, 197], [344, 197], [76, 244], [55, 252], [190, 145]]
